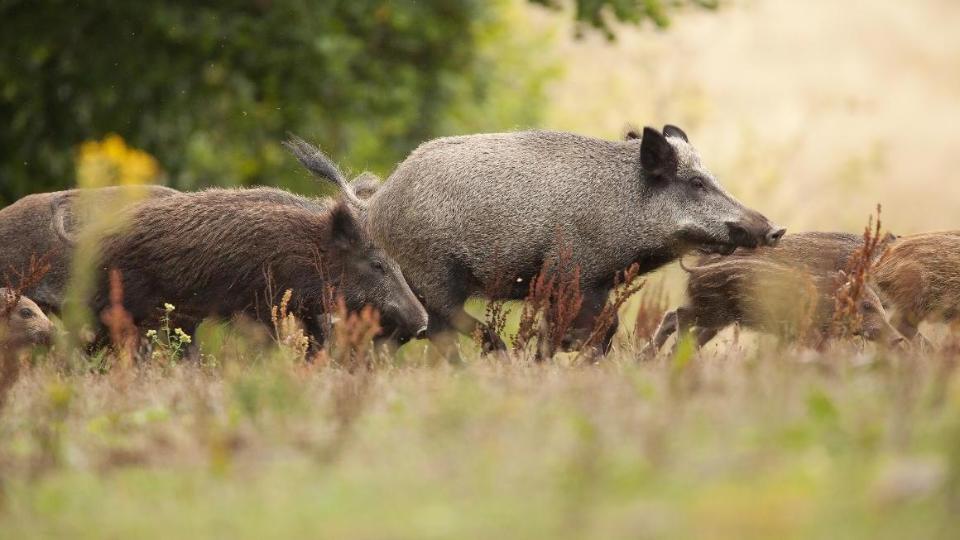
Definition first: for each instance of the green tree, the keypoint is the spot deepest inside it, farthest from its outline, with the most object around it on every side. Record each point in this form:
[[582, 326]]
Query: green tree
[[209, 88], [600, 14]]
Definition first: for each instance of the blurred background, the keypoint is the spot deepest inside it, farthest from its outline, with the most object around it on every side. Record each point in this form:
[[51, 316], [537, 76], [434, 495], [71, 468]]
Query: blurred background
[[812, 112]]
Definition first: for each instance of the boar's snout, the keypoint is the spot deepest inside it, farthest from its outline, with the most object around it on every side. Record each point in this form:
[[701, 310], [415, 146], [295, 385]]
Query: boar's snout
[[774, 235], [409, 319], [754, 231], [44, 337]]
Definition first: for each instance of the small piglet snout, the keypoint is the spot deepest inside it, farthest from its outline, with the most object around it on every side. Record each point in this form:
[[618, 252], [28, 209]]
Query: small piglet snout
[[774, 235]]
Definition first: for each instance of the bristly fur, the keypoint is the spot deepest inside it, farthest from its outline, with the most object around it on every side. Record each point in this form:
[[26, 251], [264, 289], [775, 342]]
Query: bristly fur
[[365, 184], [920, 276], [223, 252], [456, 202], [43, 225], [794, 302], [815, 251]]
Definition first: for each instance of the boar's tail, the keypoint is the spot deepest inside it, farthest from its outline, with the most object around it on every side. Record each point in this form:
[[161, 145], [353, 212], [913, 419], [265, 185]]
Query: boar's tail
[[59, 208], [321, 166]]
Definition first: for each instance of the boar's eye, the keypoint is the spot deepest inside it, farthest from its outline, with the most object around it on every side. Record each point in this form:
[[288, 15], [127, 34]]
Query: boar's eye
[[867, 307], [697, 183], [26, 313], [377, 265]]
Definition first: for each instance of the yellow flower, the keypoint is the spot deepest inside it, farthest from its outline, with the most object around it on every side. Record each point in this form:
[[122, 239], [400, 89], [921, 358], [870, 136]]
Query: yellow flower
[[111, 162], [169, 307]]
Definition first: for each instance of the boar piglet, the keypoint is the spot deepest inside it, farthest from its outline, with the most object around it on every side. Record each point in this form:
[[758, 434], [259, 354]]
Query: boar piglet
[[769, 297], [22, 323], [223, 252], [920, 277], [812, 250]]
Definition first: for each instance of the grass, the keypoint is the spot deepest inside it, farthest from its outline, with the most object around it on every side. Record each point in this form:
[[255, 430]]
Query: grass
[[728, 444]]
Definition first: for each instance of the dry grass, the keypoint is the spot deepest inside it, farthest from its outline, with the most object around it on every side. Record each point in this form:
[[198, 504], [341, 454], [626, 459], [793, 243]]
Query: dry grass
[[652, 303], [845, 443], [846, 315], [552, 304]]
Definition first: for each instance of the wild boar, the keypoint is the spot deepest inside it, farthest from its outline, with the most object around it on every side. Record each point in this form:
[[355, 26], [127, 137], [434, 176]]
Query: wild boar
[[770, 297], [28, 228], [463, 215], [22, 322], [223, 252], [813, 250], [920, 276]]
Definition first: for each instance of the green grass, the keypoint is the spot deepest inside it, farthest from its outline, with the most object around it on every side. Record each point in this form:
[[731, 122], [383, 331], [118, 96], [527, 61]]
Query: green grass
[[729, 444]]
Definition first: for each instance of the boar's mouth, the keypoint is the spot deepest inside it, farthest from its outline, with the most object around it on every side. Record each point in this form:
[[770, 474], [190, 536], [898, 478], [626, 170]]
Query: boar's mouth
[[706, 244], [718, 248]]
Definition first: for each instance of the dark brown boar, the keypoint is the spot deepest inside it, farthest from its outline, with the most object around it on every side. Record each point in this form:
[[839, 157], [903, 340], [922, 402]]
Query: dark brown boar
[[29, 228], [225, 252], [793, 303], [920, 276]]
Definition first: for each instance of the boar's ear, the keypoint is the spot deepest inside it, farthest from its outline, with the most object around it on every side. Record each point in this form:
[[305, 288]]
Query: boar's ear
[[631, 133], [344, 227], [671, 130], [657, 156]]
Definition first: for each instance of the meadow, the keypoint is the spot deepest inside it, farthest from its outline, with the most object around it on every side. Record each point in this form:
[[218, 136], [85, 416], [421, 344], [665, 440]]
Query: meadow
[[743, 440]]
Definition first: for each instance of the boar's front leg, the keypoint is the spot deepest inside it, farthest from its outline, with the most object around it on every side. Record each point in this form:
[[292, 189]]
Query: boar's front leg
[[704, 335], [678, 321], [668, 325], [586, 322]]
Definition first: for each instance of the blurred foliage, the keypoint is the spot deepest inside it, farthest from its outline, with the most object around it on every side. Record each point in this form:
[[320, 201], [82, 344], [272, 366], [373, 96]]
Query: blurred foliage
[[111, 162], [601, 14], [210, 88]]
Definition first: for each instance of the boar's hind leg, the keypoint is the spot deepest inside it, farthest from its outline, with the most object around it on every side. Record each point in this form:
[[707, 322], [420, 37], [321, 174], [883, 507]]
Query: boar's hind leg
[[668, 325], [704, 335], [443, 297], [586, 321], [677, 321]]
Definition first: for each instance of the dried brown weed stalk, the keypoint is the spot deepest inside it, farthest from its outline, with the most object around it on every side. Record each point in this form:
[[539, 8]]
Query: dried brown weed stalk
[[551, 305], [846, 318], [625, 286]]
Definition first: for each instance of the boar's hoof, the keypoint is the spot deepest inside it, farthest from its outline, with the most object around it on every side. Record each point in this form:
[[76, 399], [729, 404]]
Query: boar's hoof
[[491, 341]]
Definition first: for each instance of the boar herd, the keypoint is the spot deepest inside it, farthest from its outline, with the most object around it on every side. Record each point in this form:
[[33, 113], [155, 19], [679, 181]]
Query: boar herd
[[477, 215]]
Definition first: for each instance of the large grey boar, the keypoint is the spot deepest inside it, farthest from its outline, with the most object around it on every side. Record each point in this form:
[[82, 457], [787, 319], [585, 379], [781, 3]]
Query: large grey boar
[[224, 252], [463, 215], [29, 228]]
